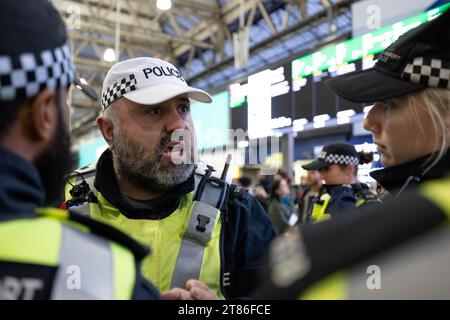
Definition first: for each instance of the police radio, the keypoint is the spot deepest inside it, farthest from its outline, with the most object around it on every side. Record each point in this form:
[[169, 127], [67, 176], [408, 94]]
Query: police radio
[[213, 190], [80, 193]]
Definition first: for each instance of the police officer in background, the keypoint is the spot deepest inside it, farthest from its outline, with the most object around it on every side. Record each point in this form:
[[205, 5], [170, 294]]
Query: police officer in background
[[197, 225], [400, 249], [306, 201], [48, 253], [338, 166]]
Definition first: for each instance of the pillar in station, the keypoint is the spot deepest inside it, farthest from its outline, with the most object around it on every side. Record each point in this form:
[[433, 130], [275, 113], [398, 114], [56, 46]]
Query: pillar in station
[[287, 149]]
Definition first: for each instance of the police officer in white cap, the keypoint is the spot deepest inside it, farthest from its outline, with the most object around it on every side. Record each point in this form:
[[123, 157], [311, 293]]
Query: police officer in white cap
[[198, 226]]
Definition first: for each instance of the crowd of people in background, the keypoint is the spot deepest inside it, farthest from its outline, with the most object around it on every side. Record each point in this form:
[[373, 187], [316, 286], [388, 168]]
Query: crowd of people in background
[[330, 187]]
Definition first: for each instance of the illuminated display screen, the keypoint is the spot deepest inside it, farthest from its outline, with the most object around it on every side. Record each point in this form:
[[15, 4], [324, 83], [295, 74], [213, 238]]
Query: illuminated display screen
[[331, 57], [282, 103], [238, 94], [239, 118], [259, 104], [265, 99], [279, 85], [211, 121], [313, 97], [90, 151], [310, 96]]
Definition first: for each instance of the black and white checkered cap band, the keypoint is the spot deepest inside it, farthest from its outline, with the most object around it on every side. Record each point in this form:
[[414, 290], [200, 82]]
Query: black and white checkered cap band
[[339, 158], [118, 89], [429, 72], [25, 75]]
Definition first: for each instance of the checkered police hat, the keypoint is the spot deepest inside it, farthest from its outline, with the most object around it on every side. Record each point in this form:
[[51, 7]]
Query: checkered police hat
[[34, 51], [147, 81], [417, 60], [334, 153]]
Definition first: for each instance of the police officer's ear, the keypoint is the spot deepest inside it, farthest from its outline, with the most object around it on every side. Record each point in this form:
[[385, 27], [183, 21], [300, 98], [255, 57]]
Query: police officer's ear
[[39, 116], [350, 170], [107, 129]]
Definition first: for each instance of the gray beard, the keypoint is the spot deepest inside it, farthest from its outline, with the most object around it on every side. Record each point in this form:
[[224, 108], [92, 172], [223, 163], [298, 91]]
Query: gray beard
[[144, 169]]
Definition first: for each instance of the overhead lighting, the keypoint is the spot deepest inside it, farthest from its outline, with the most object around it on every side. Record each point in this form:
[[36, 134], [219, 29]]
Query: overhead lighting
[[243, 144], [278, 134], [321, 118], [109, 55], [344, 116], [343, 120], [299, 124], [346, 113], [319, 121], [333, 28], [280, 122], [319, 124], [164, 4], [83, 81]]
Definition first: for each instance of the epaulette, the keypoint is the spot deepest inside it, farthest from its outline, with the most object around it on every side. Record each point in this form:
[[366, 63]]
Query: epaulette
[[368, 196], [97, 228], [239, 192]]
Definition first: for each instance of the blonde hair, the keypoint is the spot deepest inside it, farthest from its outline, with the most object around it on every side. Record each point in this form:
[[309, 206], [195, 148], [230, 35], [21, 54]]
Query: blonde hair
[[436, 103]]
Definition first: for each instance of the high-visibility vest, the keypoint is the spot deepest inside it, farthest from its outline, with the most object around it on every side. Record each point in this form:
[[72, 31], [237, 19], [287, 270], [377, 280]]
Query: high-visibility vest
[[319, 208], [180, 250], [56, 255]]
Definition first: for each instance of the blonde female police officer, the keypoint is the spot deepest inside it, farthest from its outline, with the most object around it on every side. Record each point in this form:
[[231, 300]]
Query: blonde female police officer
[[400, 249]]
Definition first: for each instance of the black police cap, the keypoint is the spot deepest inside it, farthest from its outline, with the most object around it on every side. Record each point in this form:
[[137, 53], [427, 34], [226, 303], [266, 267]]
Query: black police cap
[[417, 60], [34, 50], [334, 153]]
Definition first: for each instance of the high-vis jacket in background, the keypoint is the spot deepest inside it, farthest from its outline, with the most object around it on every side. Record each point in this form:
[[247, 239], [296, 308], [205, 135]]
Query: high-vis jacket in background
[[334, 200]]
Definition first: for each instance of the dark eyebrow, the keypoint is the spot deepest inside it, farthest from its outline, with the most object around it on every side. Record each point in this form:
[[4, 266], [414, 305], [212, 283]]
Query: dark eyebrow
[[183, 99]]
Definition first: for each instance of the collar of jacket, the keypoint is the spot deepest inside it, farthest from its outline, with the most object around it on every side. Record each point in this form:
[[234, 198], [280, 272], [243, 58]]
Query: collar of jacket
[[358, 186], [21, 189], [328, 188], [393, 178], [159, 208]]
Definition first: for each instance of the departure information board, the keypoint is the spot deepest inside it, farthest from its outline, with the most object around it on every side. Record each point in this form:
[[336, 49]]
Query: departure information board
[[298, 89], [356, 48]]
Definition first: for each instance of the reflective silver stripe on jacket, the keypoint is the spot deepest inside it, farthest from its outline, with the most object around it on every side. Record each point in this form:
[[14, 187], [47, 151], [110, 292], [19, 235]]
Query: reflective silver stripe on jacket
[[190, 256], [85, 268], [83, 209]]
